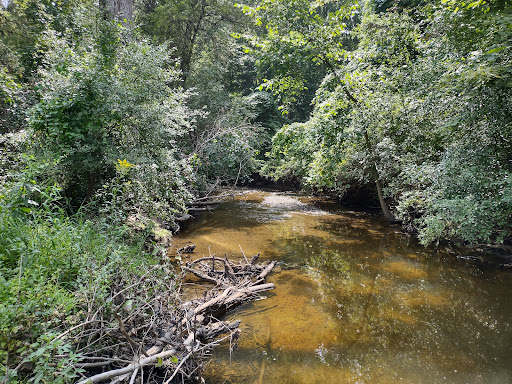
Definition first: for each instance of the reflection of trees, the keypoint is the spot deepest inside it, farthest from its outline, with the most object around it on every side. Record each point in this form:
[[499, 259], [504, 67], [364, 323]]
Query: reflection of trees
[[400, 313], [417, 318], [331, 262]]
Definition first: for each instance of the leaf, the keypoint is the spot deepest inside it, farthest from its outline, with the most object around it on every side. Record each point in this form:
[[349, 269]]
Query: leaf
[[496, 49], [159, 363], [174, 360]]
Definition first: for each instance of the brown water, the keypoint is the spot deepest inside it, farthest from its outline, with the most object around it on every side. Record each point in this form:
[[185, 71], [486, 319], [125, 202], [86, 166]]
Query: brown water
[[355, 301]]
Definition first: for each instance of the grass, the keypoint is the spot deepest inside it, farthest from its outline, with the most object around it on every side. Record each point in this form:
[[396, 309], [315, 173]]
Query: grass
[[55, 269]]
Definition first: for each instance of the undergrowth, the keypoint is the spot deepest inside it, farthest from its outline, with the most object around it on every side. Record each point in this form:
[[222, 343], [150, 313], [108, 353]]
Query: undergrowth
[[57, 271]]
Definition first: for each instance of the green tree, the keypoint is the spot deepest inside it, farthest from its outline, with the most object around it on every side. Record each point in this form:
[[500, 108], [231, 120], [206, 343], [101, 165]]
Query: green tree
[[319, 30], [111, 101], [184, 24], [421, 106]]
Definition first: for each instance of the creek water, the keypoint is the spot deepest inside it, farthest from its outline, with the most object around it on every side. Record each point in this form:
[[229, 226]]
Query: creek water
[[356, 300]]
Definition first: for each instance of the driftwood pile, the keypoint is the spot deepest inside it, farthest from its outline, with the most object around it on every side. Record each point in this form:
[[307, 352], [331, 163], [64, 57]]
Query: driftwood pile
[[234, 284], [172, 343]]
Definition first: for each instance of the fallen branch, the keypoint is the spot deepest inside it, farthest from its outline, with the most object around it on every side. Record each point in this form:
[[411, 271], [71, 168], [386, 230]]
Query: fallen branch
[[134, 344], [161, 320], [178, 367], [130, 368], [201, 275], [266, 271], [243, 254]]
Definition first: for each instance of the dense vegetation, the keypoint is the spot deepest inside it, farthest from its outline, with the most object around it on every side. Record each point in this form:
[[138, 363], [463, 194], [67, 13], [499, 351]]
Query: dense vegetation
[[131, 109], [416, 100]]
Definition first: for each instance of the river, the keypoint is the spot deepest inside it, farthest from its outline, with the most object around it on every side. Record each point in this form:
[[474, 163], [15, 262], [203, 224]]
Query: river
[[356, 300]]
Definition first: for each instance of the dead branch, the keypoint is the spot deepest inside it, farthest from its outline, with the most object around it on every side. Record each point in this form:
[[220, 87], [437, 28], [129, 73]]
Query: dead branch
[[243, 254], [149, 312], [254, 259], [122, 328], [129, 368], [201, 275], [266, 271]]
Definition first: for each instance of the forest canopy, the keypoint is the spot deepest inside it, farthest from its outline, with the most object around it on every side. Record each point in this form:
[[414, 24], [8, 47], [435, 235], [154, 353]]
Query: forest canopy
[[123, 110]]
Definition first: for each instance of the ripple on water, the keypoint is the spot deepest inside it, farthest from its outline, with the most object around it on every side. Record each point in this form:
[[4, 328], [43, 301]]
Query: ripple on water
[[363, 304]]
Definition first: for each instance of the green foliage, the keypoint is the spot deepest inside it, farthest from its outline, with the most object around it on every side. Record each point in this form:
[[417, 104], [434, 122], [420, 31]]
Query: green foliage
[[425, 99], [43, 358], [462, 193], [96, 109], [228, 151], [237, 123], [191, 27], [24, 23], [299, 39], [292, 152], [53, 270], [14, 100]]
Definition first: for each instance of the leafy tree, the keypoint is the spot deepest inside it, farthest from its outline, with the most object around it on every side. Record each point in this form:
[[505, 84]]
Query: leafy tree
[[420, 107], [185, 24], [114, 101], [319, 30], [463, 192]]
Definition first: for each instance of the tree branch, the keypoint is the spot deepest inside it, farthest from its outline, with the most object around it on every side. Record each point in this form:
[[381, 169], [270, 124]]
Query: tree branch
[[130, 368]]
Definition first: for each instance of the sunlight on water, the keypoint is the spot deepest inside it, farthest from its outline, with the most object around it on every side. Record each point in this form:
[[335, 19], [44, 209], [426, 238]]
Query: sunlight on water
[[355, 301]]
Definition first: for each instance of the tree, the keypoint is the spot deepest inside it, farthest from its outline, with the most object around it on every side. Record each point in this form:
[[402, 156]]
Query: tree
[[118, 9], [319, 29], [179, 22], [424, 99]]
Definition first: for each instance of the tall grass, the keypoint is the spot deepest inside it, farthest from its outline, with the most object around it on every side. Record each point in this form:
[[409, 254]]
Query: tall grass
[[53, 270]]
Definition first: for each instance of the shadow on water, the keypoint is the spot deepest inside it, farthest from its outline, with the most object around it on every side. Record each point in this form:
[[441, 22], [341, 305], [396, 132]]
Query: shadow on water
[[356, 301]]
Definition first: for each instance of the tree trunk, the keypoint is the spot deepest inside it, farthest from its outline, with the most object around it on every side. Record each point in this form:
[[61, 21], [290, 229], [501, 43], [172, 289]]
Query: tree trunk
[[91, 181], [375, 173], [118, 9], [385, 210], [123, 9], [191, 31]]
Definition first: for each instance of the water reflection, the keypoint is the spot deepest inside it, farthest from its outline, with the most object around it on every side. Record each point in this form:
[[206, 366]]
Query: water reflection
[[358, 302]]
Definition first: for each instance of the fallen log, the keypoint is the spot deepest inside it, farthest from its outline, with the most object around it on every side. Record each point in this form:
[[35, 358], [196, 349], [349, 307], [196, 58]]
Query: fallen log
[[204, 203], [198, 209]]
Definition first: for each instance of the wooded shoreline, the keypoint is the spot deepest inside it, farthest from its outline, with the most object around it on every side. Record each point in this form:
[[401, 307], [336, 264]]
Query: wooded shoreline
[[120, 117]]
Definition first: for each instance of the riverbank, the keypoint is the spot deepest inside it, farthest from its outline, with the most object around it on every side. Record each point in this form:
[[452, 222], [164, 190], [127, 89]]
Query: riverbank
[[87, 301]]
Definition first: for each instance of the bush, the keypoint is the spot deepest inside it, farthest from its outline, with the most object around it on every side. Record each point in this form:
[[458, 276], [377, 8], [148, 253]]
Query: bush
[[55, 270], [111, 102]]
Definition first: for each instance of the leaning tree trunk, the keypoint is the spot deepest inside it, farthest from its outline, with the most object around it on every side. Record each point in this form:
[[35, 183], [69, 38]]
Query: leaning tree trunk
[[375, 172], [383, 204]]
